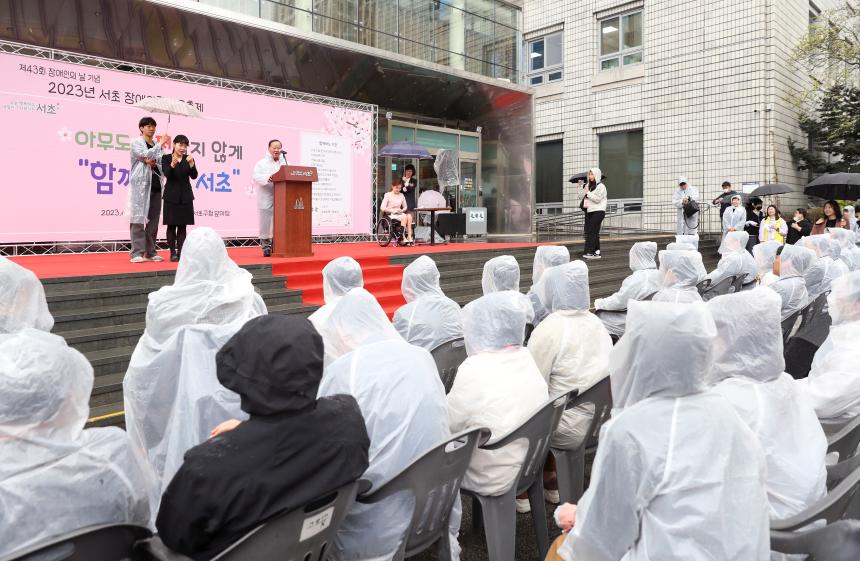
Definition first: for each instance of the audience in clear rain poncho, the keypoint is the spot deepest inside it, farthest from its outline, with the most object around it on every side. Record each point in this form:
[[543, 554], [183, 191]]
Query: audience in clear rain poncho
[[642, 284], [764, 254], [824, 268], [833, 384], [790, 264], [749, 372], [656, 491], [850, 253], [171, 392], [570, 347], [735, 260], [503, 273], [680, 272], [546, 257], [340, 275], [498, 386], [292, 449], [403, 404], [55, 477], [429, 318]]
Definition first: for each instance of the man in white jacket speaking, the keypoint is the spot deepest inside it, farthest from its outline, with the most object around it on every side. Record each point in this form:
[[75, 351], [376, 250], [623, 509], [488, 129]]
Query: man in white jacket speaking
[[263, 172]]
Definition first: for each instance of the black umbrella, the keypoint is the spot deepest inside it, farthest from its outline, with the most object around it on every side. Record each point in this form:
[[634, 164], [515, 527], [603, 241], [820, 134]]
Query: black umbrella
[[771, 189], [582, 177], [845, 186]]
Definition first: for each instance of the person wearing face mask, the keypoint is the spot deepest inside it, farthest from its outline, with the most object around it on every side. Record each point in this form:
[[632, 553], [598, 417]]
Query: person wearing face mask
[[179, 169], [680, 272], [263, 172], [684, 196], [725, 199], [799, 227], [678, 474], [735, 216], [754, 218], [429, 318], [293, 448], [749, 372]]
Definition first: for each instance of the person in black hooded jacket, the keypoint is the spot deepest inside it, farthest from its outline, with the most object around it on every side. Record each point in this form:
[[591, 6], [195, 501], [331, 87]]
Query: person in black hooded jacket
[[294, 447]]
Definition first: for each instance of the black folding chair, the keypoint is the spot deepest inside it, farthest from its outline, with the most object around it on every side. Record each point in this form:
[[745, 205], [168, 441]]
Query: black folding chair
[[725, 286], [839, 541], [845, 441], [801, 347], [448, 357]]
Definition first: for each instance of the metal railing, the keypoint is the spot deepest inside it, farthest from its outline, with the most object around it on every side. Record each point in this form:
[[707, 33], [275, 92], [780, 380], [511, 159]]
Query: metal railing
[[627, 219]]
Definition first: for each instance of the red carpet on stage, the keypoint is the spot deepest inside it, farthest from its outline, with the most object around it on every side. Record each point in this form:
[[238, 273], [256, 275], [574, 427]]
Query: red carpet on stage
[[303, 273]]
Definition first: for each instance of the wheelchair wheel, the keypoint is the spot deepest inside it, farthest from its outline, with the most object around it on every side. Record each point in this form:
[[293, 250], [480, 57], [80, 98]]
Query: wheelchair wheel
[[383, 232]]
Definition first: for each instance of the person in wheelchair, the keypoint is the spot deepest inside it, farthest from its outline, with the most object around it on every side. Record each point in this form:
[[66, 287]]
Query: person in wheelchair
[[395, 208]]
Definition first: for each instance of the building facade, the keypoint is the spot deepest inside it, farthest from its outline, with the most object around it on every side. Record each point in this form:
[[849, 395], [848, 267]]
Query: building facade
[[446, 70], [652, 90]]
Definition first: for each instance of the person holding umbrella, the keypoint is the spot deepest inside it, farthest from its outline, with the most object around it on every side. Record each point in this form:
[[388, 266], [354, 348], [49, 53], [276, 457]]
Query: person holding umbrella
[[144, 191]]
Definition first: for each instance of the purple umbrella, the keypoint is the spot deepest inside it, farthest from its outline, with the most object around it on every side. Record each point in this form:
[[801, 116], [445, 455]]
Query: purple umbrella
[[405, 150]]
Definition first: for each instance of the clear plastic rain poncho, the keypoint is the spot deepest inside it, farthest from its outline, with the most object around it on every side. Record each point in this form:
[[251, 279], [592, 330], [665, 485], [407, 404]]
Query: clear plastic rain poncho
[[764, 254], [503, 273], [691, 239], [749, 372], [498, 386], [852, 217], [833, 384], [340, 275], [172, 396], [680, 272], [793, 263], [546, 256], [850, 252], [571, 346], [840, 266], [735, 260], [56, 477], [820, 274], [140, 179], [402, 400], [677, 475], [675, 246], [22, 300], [429, 318], [644, 282], [735, 218]]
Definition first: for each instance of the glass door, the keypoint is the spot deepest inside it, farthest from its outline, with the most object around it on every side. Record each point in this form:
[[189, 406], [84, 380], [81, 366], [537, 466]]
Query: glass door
[[468, 195]]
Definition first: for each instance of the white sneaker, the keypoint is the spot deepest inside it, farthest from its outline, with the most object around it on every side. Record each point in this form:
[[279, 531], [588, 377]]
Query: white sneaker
[[137, 259], [523, 506], [551, 496], [155, 258]]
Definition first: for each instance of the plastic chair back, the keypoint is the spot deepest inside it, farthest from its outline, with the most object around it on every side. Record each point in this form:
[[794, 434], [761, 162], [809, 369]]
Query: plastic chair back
[[703, 286], [434, 481], [105, 542], [788, 325], [738, 285], [845, 441], [815, 321], [725, 286], [830, 508], [537, 430], [837, 473], [839, 541], [448, 357]]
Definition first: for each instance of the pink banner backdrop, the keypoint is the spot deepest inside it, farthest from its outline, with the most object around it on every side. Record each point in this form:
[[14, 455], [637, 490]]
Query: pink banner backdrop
[[65, 159]]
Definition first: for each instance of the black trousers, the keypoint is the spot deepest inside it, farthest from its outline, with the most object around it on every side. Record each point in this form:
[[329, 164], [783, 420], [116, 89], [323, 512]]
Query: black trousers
[[175, 237], [593, 220]]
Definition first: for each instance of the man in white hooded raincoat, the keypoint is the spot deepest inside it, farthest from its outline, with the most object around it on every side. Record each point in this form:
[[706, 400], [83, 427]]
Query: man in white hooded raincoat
[[263, 171], [644, 282], [749, 372], [498, 386], [764, 254], [55, 477], [735, 259], [686, 225], [791, 264], [546, 256], [429, 318], [833, 384], [171, 392], [340, 275], [678, 475], [680, 272], [570, 347], [402, 400]]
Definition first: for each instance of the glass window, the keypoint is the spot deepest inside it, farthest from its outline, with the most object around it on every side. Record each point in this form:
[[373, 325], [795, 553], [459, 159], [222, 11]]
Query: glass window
[[548, 172], [296, 16], [478, 37], [468, 143], [546, 58], [506, 52], [436, 139], [400, 134], [621, 154], [247, 7], [621, 41]]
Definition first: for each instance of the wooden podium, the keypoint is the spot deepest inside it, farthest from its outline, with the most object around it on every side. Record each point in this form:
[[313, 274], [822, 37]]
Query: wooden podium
[[293, 211]]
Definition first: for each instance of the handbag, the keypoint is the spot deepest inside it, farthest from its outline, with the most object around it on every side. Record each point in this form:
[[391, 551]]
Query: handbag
[[691, 208]]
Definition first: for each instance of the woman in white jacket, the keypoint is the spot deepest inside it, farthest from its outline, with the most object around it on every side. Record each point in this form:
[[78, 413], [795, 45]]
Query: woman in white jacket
[[593, 202], [749, 372], [498, 386], [677, 475], [429, 318], [644, 282], [833, 384]]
